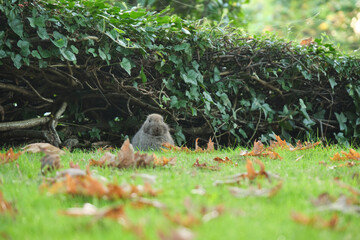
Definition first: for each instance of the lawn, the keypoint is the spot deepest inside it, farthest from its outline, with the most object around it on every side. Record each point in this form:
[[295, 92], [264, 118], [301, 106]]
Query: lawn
[[188, 204]]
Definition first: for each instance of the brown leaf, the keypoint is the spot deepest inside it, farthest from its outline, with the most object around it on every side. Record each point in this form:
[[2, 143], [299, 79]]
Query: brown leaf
[[226, 160], [162, 161], [315, 221], [188, 220], [205, 166], [178, 234], [251, 174], [145, 177], [125, 157], [9, 156], [43, 147], [90, 210], [352, 155], [50, 163], [260, 151], [6, 207], [210, 146], [307, 41], [89, 186], [74, 165], [352, 190], [263, 192], [143, 202], [170, 147]]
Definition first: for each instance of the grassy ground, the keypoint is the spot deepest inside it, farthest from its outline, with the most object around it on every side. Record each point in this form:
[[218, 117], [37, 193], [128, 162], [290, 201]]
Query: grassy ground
[[243, 218]]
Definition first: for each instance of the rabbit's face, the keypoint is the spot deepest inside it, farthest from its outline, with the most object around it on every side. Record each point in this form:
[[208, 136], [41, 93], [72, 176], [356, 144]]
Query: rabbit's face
[[154, 125]]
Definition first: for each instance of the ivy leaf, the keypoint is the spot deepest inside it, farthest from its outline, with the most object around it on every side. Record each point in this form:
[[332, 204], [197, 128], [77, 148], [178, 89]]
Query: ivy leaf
[[142, 75], [36, 54], [126, 65], [17, 60], [60, 40], [42, 33], [68, 55], [342, 119], [332, 82], [17, 26], [24, 45]]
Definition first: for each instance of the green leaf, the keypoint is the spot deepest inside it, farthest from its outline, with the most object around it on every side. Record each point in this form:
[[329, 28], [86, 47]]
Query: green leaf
[[143, 76], [342, 119], [303, 109], [74, 49], [2, 54], [17, 26], [42, 33], [208, 97], [332, 82], [102, 54], [24, 45], [37, 21], [60, 40], [190, 77], [184, 30], [36, 54], [126, 65], [17, 61], [67, 54]]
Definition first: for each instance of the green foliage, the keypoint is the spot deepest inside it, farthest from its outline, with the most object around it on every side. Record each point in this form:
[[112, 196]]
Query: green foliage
[[202, 76], [227, 11]]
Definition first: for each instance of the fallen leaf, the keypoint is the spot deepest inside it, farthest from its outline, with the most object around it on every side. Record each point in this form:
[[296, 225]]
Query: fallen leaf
[[188, 220], [90, 210], [307, 41], [50, 163], [143, 202], [352, 155], [145, 177], [260, 151], [178, 234], [205, 166], [5, 206], [198, 190], [43, 147], [315, 221], [226, 160], [263, 192], [352, 190], [9, 156], [89, 186], [74, 165]]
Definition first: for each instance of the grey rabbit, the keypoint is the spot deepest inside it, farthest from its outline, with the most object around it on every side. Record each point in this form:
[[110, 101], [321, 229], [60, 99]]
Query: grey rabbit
[[152, 134]]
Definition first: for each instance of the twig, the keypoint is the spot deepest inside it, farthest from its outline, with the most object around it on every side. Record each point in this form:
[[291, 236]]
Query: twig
[[36, 92], [266, 84]]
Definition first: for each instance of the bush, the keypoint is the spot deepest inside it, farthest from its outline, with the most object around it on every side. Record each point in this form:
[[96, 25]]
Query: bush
[[113, 65]]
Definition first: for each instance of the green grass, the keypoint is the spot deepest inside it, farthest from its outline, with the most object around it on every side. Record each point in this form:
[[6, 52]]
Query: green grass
[[244, 218]]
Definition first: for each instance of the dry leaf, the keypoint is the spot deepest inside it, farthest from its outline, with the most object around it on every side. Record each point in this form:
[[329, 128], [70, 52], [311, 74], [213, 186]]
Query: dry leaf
[[205, 166], [43, 147], [260, 151], [226, 160], [178, 234], [352, 155], [6, 207], [50, 163], [263, 192], [89, 186], [143, 202], [74, 165], [315, 221], [90, 210], [168, 147], [352, 190], [127, 158], [145, 177], [307, 41], [9, 156]]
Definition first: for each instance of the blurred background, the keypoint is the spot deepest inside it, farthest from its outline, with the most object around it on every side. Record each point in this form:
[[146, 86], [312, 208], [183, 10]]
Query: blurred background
[[335, 21]]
